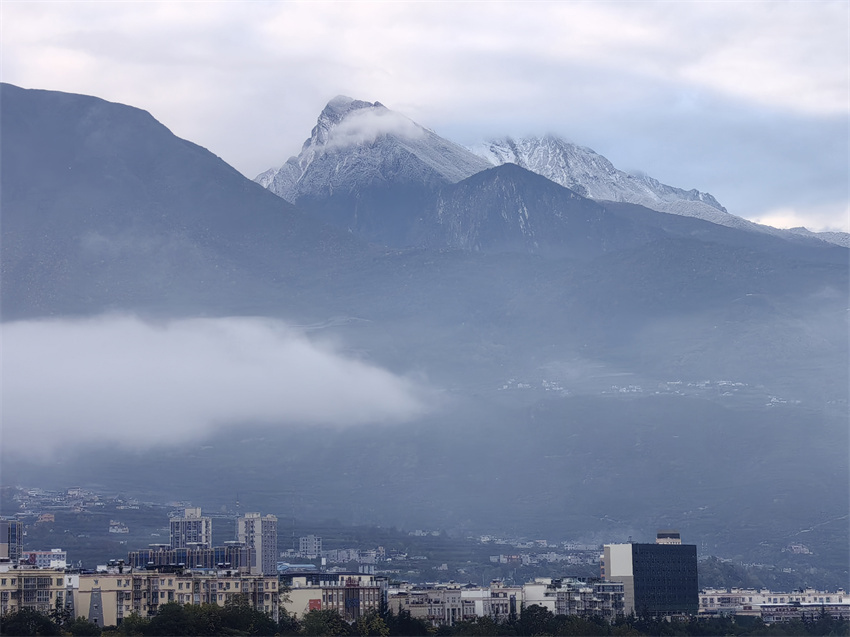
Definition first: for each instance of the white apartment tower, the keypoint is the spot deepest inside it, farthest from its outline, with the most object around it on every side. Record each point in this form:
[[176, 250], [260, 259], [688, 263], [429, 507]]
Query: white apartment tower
[[310, 546], [191, 530], [259, 533]]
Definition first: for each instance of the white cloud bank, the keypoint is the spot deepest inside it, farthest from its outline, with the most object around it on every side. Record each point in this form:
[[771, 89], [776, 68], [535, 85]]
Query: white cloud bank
[[368, 124], [120, 380]]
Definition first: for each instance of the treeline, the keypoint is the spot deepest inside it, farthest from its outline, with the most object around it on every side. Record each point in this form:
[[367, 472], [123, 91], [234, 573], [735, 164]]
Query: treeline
[[238, 618]]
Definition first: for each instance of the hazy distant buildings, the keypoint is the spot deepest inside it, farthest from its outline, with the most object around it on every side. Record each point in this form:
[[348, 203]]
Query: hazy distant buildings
[[11, 540], [191, 530], [232, 557], [771, 605], [658, 579], [260, 534], [310, 546], [54, 558]]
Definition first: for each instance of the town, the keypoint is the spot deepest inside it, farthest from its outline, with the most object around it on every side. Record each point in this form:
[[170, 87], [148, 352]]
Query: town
[[607, 583]]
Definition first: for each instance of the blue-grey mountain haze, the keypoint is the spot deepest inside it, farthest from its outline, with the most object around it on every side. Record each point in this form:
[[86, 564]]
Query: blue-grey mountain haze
[[627, 370]]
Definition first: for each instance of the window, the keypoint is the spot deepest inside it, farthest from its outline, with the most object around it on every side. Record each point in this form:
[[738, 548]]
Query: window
[[58, 581]]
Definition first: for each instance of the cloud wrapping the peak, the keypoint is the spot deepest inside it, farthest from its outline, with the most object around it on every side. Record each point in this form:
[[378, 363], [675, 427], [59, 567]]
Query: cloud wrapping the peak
[[366, 125], [124, 381]]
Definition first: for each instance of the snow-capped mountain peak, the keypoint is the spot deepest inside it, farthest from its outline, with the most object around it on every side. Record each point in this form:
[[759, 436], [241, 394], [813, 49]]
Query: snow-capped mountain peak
[[590, 174], [356, 142]]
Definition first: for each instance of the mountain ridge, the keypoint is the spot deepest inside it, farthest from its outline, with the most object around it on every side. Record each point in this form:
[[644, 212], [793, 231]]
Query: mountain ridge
[[382, 135], [358, 146], [639, 366]]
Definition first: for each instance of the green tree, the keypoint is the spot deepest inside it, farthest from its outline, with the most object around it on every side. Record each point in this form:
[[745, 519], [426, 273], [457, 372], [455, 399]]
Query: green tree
[[287, 624], [324, 622], [483, 626], [81, 626], [405, 625], [372, 625], [573, 625], [27, 621], [171, 619], [240, 616], [535, 620], [60, 614], [133, 624]]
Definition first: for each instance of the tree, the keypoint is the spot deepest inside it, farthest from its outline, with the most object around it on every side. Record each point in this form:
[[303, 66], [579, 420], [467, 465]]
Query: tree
[[241, 616], [81, 627], [484, 626], [324, 622], [372, 625], [133, 624], [171, 619], [405, 625], [60, 614], [27, 621], [574, 625], [535, 620], [287, 624]]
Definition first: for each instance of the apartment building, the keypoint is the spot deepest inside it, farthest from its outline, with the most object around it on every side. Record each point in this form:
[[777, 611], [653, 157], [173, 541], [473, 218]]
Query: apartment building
[[54, 558], [106, 598], [447, 604], [11, 540], [43, 590], [259, 533], [350, 594], [232, 556], [773, 606], [310, 546], [585, 597], [191, 530]]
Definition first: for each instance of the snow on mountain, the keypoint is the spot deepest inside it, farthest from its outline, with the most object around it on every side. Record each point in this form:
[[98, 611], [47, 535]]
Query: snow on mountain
[[838, 238], [586, 172], [590, 174], [357, 143]]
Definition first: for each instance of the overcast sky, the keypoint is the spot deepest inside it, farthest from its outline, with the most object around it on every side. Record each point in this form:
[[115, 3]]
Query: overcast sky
[[745, 100]]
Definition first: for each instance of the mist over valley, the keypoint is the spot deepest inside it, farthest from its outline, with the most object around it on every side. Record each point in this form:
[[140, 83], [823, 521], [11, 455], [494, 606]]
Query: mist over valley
[[409, 335]]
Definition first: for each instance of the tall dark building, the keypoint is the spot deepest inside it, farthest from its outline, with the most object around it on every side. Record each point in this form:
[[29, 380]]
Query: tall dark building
[[658, 579]]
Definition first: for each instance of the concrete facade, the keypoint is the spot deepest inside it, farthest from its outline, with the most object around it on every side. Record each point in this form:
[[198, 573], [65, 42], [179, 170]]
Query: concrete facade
[[191, 530], [259, 533]]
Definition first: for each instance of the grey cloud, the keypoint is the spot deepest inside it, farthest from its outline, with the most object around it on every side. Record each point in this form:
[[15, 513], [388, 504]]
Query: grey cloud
[[121, 380]]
